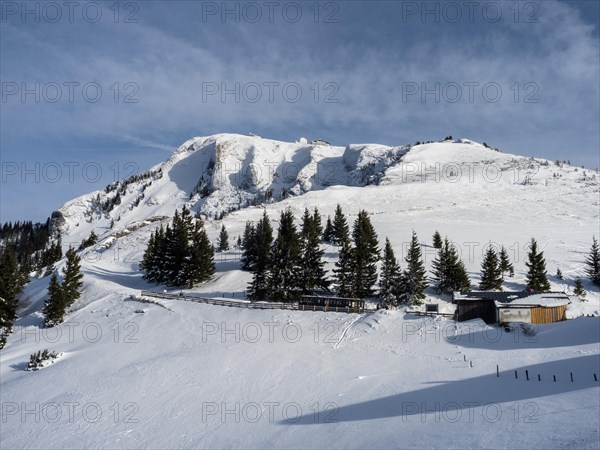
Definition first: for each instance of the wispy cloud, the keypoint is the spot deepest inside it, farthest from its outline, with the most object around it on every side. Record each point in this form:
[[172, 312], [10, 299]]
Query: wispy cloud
[[152, 75]]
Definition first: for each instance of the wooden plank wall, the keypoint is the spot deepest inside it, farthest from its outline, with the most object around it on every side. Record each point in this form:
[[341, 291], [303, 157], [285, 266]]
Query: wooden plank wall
[[540, 314]]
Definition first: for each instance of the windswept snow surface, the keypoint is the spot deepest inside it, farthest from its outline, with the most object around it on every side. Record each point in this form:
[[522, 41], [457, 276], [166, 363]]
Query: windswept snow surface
[[170, 373]]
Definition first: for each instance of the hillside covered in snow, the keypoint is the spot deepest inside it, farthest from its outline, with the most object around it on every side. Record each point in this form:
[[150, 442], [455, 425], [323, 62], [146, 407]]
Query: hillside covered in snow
[[136, 372]]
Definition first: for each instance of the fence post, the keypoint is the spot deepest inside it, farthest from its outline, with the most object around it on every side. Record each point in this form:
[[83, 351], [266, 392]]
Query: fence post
[[497, 371], [554, 376], [516, 376], [527, 374], [571, 377], [539, 377]]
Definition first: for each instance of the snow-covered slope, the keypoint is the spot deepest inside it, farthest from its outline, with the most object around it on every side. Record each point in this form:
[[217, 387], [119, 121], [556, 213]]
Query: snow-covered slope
[[188, 375], [227, 172], [156, 372]]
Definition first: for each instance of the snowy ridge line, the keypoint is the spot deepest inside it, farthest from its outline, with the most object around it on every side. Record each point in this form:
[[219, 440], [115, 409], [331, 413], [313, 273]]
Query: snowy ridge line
[[249, 305]]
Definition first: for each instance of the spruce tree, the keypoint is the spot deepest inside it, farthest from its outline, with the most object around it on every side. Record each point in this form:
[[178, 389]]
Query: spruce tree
[[12, 281], [505, 264], [341, 230], [318, 225], [414, 279], [559, 273], [50, 255], [156, 271], [462, 282], [593, 263], [284, 278], [437, 240], [579, 289], [247, 236], [72, 277], [449, 273], [223, 244], [440, 268], [56, 303], [239, 242], [365, 256], [491, 274], [91, 240], [207, 251], [390, 280], [177, 249], [248, 246], [312, 265], [328, 234], [306, 224], [536, 274], [343, 271], [147, 261], [260, 261], [199, 265]]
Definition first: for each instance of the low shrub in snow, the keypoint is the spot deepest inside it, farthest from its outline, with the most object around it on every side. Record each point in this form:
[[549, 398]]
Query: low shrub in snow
[[36, 360], [528, 329]]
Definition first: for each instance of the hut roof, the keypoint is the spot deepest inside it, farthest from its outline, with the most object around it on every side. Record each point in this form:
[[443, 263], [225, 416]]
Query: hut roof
[[524, 298]]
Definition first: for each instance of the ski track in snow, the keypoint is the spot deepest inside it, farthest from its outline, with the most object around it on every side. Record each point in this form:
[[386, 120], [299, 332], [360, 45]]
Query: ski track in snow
[[346, 329]]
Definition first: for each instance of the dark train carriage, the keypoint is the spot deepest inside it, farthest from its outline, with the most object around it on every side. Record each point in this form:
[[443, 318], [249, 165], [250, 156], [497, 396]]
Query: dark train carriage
[[328, 303]]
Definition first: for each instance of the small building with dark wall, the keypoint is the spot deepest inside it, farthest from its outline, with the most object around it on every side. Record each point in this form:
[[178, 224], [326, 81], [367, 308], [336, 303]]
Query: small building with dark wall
[[506, 307]]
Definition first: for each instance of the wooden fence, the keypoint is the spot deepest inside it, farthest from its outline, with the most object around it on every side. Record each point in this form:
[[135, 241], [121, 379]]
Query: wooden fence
[[250, 305], [430, 313]]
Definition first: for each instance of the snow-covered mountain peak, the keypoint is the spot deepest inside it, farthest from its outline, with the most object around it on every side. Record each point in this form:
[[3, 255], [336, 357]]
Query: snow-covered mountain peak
[[217, 174], [222, 173]]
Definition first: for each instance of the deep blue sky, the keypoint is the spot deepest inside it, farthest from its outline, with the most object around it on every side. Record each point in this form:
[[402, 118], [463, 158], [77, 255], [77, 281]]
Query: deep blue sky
[[365, 55]]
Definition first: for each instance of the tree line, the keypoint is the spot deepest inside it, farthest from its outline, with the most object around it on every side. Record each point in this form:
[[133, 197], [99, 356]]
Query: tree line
[[291, 264], [31, 243], [24, 247]]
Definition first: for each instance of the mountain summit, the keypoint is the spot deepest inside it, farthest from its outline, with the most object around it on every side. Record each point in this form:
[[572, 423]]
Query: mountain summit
[[222, 173]]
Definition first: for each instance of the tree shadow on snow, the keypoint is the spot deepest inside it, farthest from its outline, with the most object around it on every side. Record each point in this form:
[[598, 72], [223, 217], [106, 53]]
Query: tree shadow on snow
[[19, 366], [455, 396], [132, 280]]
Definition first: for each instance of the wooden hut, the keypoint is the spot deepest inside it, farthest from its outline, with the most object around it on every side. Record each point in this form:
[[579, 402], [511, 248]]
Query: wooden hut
[[506, 307]]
